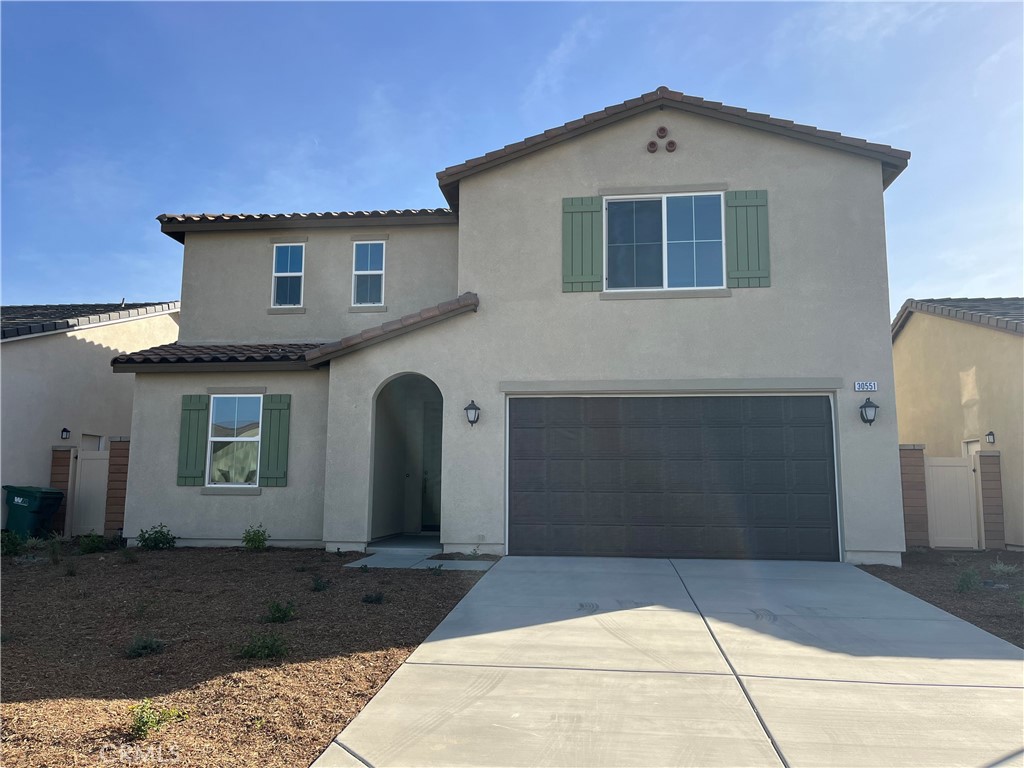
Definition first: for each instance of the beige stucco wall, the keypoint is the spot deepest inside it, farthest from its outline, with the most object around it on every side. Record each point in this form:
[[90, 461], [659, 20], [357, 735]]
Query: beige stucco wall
[[825, 317], [955, 382], [227, 279], [48, 382], [292, 514]]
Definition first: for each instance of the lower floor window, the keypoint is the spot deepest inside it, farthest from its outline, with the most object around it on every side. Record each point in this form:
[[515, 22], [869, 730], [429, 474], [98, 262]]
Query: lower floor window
[[234, 452]]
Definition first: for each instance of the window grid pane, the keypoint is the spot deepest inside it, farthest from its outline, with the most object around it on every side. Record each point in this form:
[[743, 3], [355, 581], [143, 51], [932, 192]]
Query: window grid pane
[[234, 445], [694, 250]]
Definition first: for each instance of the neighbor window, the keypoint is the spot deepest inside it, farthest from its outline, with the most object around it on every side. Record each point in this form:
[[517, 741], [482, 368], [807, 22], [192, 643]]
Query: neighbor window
[[664, 241], [368, 273], [234, 452], [288, 260]]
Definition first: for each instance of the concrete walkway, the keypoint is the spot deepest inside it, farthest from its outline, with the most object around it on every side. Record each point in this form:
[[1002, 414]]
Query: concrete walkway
[[627, 662]]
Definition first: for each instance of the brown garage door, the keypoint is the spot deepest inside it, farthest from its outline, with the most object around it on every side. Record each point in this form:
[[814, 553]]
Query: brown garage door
[[740, 477]]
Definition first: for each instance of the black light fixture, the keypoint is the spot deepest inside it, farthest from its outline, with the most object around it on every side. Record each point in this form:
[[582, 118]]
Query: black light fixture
[[472, 413], [990, 437], [65, 434], [868, 411]]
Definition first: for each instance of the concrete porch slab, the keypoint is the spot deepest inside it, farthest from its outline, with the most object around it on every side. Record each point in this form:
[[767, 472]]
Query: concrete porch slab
[[456, 565], [382, 560]]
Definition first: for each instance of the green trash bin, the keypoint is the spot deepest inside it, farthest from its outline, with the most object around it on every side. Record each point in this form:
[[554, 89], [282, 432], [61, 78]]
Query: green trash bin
[[30, 509]]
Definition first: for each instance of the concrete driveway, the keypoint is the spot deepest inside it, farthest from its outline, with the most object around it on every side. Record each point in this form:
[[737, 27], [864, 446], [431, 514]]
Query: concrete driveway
[[627, 662]]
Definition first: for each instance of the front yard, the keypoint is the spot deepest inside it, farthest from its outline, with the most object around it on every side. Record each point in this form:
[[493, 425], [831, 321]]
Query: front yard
[[68, 629]]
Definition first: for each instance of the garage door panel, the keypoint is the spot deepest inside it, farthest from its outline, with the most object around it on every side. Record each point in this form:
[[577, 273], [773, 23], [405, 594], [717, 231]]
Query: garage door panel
[[730, 476]]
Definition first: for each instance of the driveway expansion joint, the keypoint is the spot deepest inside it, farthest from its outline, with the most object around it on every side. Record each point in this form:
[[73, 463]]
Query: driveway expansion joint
[[562, 669], [353, 753]]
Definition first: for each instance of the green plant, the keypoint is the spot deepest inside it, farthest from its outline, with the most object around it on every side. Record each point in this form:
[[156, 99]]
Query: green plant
[[146, 718], [263, 646], [54, 547], [320, 584], [91, 542], [951, 560], [69, 570], [255, 538], [144, 646], [999, 568], [129, 555], [11, 543], [375, 599], [35, 543], [364, 568], [1020, 599], [157, 537], [474, 552], [968, 580], [436, 568], [279, 613]]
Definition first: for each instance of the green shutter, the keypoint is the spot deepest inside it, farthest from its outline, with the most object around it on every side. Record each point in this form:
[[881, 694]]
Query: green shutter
[[274, 440], [582, 244], [746, 239], [195, 421]]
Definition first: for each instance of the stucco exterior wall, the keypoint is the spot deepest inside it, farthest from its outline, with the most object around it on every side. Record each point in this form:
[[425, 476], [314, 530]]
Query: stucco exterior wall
[[227, 279], [293, 515], [825, 317], [64, 380], [955, 382]]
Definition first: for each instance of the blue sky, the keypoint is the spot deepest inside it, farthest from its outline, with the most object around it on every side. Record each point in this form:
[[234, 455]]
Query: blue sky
[[113, 113]]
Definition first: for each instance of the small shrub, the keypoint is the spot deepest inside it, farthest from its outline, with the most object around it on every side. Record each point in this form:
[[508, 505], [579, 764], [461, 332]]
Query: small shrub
[[54, 547], [436, 568], [320, 584], [69, 570], [264, 646], [144, 646], [364, 568], [146, 718], [951, 560], [999, 568], [255, 538], [11, 543], [157, 537], [34, 543], [968, 580], [375, 599], [90, 543], [280, 613]]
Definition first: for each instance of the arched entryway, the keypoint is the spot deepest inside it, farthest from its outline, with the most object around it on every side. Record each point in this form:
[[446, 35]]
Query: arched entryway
[[406, 493]]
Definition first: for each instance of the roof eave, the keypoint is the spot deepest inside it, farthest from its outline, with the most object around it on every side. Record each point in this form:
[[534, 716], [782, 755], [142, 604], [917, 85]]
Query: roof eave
[[221, 366], [176, 229]]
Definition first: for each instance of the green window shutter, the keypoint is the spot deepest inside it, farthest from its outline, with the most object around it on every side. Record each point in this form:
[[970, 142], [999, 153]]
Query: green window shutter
[[195, 421], [582, 244], [274, 440], [746, 239]]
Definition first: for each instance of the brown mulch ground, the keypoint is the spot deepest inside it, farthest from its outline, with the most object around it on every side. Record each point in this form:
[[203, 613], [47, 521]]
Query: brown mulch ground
[[932, 575], [67, 685]]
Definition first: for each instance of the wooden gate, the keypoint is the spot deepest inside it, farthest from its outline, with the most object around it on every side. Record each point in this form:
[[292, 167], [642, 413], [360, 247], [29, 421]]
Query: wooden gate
[[89, 510], [952, 502]]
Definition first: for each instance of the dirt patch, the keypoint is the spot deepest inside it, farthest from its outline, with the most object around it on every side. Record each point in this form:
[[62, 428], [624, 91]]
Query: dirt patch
[[67, 684], [933, 575]]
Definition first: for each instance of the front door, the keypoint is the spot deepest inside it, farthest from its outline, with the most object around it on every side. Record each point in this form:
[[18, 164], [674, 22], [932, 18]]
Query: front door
[[431, 467]]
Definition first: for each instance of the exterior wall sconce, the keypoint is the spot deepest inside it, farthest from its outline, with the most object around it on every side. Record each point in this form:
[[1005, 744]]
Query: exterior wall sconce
[[65, 434], [472, 413], [868, 411], [990, 437]]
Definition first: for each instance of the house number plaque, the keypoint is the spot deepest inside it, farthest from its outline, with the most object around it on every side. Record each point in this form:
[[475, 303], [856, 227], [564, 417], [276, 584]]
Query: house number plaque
[[865, 386]]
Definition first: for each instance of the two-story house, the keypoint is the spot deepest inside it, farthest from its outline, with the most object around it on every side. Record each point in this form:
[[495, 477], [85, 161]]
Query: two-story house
[[662, 310]]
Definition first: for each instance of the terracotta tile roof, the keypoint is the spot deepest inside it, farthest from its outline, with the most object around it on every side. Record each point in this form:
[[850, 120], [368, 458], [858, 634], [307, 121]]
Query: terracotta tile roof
[[300, 356], [1004, 314], [893, 160], [236, 356], [465, 303], [18, 321], [175, 225]]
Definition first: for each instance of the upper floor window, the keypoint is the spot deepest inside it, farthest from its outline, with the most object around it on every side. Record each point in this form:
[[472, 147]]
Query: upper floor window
[[234, 452], [665, 241], [288, 260], [368, 273]]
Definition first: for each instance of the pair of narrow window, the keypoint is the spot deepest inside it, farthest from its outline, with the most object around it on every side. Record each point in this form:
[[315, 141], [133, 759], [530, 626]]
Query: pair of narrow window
[[367, 274]]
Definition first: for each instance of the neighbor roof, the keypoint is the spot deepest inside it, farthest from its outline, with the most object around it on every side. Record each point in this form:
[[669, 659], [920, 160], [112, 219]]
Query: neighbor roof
[[999, 314], [175, 225], [18, 321], [298, 356], [893, 160]]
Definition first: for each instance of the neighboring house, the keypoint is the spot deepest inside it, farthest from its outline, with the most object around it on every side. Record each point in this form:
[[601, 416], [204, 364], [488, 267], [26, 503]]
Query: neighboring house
[[959, 369], [55, 375], [661, 310]]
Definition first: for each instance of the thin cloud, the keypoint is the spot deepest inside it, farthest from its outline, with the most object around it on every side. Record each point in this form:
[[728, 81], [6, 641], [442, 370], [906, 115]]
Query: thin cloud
[[549, 79]]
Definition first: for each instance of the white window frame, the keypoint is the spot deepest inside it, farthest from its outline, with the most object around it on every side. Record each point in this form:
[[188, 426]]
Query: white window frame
[[383, 268], [664, 240], [300, 275], [210, 439]]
